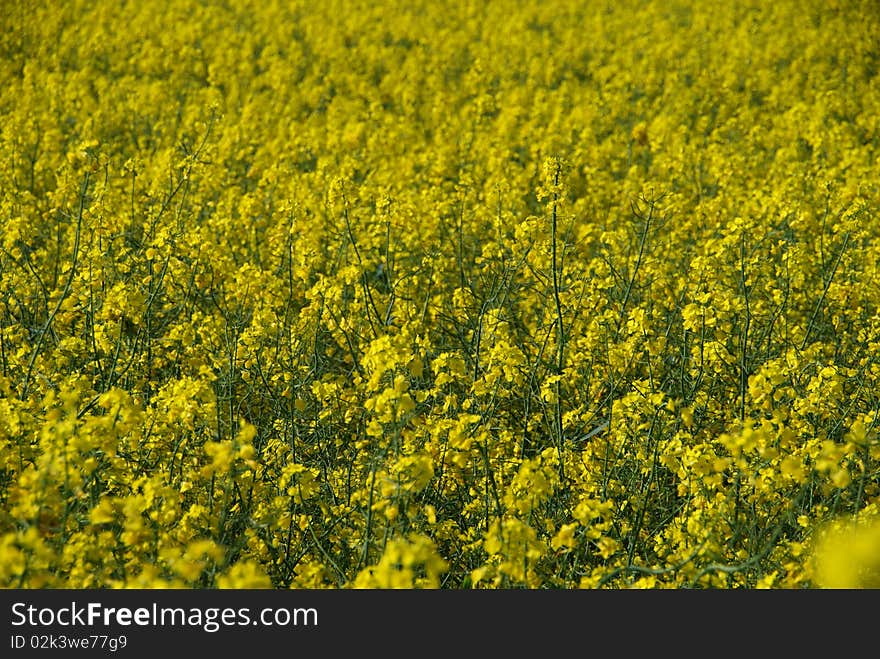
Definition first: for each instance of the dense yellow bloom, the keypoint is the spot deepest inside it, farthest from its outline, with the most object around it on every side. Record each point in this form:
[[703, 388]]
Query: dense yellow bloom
[[848, 555], [418, 294], [406, 563]]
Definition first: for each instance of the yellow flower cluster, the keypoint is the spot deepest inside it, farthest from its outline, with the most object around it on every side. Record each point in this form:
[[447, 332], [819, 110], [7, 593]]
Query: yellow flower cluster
[[461, 295]]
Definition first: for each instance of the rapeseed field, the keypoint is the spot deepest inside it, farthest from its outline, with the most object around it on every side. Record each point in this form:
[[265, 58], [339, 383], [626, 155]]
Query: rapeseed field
[[503, 294]]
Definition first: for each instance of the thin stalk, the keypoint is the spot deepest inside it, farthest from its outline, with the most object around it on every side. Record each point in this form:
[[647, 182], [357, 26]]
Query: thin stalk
[[64, 293], [560, 328]]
